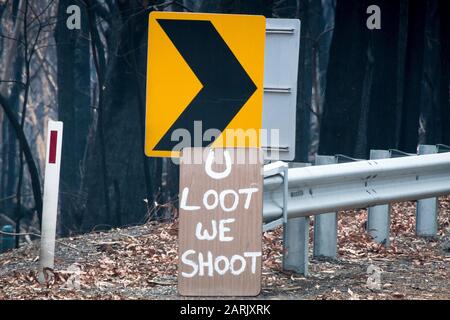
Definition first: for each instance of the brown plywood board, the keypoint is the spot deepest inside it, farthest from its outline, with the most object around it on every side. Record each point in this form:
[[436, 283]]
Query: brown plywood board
[[241, 239]]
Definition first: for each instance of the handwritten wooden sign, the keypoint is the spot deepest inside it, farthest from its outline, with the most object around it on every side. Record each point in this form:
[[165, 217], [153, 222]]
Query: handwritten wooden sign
[[220, 222]]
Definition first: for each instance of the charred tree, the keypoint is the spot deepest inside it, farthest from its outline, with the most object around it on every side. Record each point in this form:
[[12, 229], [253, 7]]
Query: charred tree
[[121, 126], [435, 84], [409, 132], [345, 80], [383, 108], [73, 80], [31, 164], [444, 86]]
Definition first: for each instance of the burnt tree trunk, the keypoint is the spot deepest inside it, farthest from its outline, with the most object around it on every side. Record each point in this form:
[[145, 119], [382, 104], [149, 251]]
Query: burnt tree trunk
[[12, 155], [122, 127], [304, 89], [435, 85], [444, 85], [345, 80], [23, 143], [73, 78], [409, 132], [383, 108]]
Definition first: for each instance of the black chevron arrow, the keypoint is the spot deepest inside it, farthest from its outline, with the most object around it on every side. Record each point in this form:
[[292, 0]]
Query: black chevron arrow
[[226, 85]]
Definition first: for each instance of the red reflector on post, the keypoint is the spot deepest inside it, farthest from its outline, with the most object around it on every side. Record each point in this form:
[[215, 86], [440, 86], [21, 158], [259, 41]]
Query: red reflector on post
[[53, 143]]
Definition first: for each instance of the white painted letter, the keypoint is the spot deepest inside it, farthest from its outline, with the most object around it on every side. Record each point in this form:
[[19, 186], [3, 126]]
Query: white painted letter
[[248, 192], [223, 229], [233, 260], [218, 175], [253, 255], [183, 205], [206, 235], [205, 199], [235, 201], [226, 265], [190, 263], [208, 263]]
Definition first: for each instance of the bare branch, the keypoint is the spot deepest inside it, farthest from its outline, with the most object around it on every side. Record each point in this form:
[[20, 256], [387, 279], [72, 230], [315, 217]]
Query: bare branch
[[11, 38], [35, 181], [13, 81]]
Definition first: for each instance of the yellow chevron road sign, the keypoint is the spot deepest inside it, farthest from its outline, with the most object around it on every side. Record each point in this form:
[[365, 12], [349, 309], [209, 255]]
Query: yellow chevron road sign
[[204, 71]]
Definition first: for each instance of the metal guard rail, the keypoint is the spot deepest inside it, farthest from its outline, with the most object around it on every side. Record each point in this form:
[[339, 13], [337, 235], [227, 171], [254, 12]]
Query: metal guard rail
[[328, 188]]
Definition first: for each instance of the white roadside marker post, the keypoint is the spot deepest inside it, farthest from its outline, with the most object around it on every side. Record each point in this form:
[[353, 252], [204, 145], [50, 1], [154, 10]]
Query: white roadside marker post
[[50, 201]]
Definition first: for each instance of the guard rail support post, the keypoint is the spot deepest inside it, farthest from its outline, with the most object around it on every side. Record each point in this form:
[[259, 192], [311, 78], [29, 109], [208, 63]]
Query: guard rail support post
[[295, 255], [295, 238], [325, 225], [427, 209], [378, 220]]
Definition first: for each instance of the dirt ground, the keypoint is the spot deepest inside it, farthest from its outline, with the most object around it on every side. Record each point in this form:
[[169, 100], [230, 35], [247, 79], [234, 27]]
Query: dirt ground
[[141, 263]]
